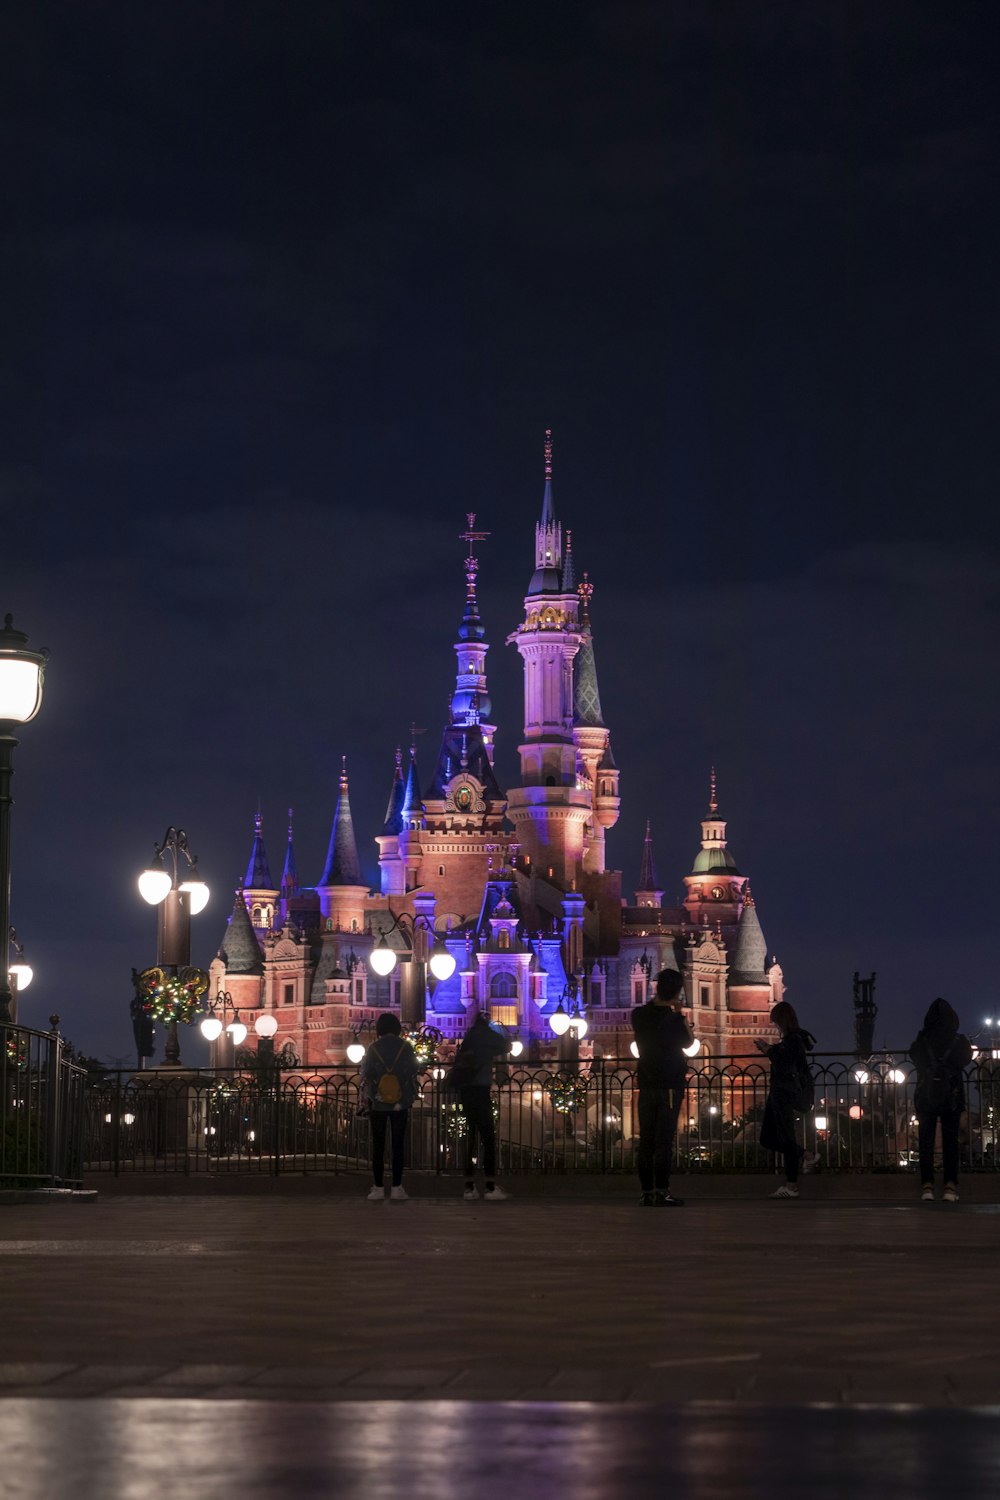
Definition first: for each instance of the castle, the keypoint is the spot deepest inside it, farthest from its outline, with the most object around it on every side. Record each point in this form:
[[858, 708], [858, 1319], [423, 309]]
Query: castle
[[513, 884]]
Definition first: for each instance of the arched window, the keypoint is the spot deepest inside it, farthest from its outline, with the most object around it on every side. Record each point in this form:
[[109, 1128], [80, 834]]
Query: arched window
[[255, 916], [503, 987], [440, 869]]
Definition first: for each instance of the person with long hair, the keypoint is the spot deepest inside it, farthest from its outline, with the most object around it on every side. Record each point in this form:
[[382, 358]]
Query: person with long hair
[[389, 1057], [941, 1054], [789, 1094]]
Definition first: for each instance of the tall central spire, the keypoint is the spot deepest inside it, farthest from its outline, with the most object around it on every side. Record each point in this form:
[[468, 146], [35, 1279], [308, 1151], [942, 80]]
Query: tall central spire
[[547, 577], [470, 702]]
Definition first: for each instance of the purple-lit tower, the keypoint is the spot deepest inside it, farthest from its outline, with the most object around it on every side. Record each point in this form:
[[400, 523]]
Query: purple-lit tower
[[568, 794]]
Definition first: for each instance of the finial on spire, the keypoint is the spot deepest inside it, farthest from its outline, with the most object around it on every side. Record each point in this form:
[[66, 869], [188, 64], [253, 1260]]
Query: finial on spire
[[747, 897], [291, 814], [471, 536], [343, 773], [548, 453], [713, 805], [258, 818]]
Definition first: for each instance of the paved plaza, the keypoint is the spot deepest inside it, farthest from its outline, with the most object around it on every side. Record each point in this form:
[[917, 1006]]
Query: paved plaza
[[567, 1316]]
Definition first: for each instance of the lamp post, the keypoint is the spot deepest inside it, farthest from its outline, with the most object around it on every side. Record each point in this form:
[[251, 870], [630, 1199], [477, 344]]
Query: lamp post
[[22, 674], [19, 972], [412, 1010], [569, 1023], [177, 900]]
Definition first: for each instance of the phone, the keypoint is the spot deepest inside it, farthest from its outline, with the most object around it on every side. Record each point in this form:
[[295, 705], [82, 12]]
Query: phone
[[760, 1044]]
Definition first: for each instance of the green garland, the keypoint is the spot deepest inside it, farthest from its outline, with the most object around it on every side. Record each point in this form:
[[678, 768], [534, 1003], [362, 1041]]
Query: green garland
[[17, 1051], [169, 997], [567, 1092]]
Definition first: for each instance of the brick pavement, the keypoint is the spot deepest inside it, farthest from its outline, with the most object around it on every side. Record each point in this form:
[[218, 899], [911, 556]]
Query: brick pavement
[[304, 1291]]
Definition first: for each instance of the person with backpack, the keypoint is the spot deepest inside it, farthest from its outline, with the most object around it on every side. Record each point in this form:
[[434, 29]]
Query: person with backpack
[[789, 1095], [480, 1049], [941, 1054], [389, 1085]]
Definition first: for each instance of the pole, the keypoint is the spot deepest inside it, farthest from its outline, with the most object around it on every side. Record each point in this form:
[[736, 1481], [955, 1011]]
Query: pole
[[413, 992], [7, 743], [173, 952]]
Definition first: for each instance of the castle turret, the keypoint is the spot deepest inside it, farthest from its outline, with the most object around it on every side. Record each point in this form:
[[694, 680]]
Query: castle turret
[[715, 883], [598, 771], [342, 891], [550, 811], [648, 892], [259, 891]]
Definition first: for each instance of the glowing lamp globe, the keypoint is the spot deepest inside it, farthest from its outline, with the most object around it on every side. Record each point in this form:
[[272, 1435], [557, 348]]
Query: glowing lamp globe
[[516, 1048], [855, 1111], [265, 1025], [559, 1021], [579, 1025], [238, 1032], [355, 1052], [22, 673], [896, 1075], [197, 893], [442, 963], [694, 1048], [154, 884], [633, 1047], [211, 1028], [821, 1122], [22, 974], [382, 958]]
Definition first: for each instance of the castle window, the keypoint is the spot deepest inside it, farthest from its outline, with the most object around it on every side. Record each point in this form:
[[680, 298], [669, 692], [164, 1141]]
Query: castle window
[[503, 987], [329, 924], [440, 869], [503, 938], [255, 916], [704, 995], [354, 924], [504, 1015], [288, 996]]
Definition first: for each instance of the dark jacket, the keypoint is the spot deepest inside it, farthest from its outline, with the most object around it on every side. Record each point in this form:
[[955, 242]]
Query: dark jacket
[[661, 1034], [485, 1045], [384, 1053], [940, 1044], [789, 1060]]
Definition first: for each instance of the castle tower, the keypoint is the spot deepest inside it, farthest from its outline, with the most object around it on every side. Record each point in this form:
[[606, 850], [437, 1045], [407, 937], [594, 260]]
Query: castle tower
[[391, 871], [715, 883], [648, 892], [411, 854], [342, 891], [470, 702], [598, 771], [289, 875], [550, 811], [259, 891], [750, 988]]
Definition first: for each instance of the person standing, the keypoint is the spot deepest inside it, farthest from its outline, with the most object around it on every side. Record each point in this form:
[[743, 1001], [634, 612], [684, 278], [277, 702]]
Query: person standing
[[941, 1054], [661, 1034], [789, 1094], [480, 1049], [390, 1082]]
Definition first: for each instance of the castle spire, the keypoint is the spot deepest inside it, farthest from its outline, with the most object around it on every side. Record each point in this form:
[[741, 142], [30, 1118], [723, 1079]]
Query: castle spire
[[586, 694], [413, 807], [289, 875], [342, 864], [568, 577], [547, 577], [258, 876], [240, 950], [470, 702], [394, 807], [713, 801], [647, 875]]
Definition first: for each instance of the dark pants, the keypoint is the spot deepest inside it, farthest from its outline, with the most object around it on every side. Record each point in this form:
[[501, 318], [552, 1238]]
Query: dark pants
[[658, 1111], [395, 1121], [779, 1133], [949, 1143], [477, 1107]]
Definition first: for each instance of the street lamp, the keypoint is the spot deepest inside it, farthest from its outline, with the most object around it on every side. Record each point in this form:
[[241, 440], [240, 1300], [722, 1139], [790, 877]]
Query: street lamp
[[22, 674], [383, 960], [177, 899], [21, 973]]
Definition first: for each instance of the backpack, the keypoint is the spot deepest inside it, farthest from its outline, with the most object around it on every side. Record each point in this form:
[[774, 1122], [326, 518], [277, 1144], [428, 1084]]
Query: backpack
[[938, 1090], [388, 1090]]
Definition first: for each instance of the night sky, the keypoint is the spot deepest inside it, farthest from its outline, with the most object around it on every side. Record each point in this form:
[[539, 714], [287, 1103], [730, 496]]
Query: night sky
[[289, 288]]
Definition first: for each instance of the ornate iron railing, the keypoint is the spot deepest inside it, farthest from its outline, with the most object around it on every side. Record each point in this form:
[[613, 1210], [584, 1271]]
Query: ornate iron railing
[[42, 1101], [551, 1117]]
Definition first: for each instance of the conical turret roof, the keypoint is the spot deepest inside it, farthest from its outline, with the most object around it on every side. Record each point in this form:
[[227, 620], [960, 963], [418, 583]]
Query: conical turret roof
[[647, 875], [258, 876], [750, 955], [586, 694], [289, 875], [240, 949], [413, 805], [342, 864], [394, 807]]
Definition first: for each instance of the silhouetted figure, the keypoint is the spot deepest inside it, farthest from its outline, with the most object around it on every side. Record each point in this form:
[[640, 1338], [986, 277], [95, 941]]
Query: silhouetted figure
[[390, 1080], [661, 1034], [789, 1095], [941, 1054], [481, 1048]]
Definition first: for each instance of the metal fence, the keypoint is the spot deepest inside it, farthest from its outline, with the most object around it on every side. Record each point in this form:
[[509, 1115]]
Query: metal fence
[[42, 1093], [551, 1117]]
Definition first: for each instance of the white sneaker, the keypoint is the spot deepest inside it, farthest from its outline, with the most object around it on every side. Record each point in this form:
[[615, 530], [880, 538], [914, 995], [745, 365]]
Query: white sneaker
[[471, 1195], [927, 1195], [495, 1195], [786, 1191], [377, 1195], [950, 1194], [399, 1195]]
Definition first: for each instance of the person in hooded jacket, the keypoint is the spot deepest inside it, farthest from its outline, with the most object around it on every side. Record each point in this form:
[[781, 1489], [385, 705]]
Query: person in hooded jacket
[[389, 1053], [484, 1047], [661, 1034], [790, 1078], [941, 1054]]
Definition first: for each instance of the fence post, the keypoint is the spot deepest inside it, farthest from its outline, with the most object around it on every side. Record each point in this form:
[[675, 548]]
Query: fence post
[[53, 1123], [276, 1117]]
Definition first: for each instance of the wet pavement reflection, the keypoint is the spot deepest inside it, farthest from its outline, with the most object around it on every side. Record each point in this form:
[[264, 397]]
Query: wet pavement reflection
[[134, 1449]]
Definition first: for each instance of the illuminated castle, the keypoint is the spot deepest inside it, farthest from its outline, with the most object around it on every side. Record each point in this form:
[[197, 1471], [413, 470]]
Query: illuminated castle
[[513, 883]]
